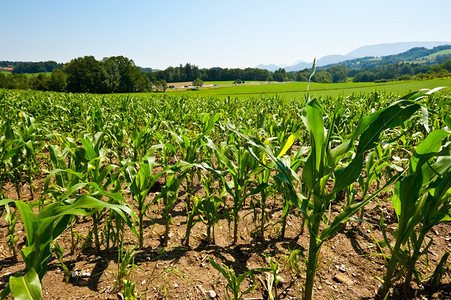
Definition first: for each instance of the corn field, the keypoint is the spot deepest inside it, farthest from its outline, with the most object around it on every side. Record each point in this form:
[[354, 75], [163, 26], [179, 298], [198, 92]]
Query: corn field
[[157, 177]]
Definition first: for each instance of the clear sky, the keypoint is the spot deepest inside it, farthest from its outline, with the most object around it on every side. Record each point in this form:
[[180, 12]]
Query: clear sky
[[231, 33]]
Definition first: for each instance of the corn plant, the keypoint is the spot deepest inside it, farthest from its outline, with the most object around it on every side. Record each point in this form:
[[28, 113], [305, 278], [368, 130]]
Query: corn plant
[[68, 166], [117, 137], [24, 287], [142, 178], [210, 205], [169, 194], [44, 228], [272, 277], [440, 270], [26, 141], [100, 176], [290, 198], [190, 146], [234, 282], [287, 180], [7, 150], [242, 168], [59, 252], [192, 218], [264, 187], [129, 290], [139, 142], [11, 156], [11, 237], [421, 200], [125, 266], [204, 209]]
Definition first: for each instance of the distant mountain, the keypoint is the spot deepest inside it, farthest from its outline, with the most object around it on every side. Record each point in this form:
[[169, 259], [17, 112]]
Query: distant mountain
[[270, 67], [365, 51], [390, 49]]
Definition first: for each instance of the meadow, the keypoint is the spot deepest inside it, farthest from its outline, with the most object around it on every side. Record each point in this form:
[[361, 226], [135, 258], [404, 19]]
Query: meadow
[[257, 191], [298, 90]]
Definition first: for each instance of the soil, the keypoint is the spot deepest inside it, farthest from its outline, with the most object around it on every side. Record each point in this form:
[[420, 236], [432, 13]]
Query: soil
[[351, 264]]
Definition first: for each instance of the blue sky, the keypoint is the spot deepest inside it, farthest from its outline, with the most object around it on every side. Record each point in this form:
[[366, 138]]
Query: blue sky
[[229, 33]]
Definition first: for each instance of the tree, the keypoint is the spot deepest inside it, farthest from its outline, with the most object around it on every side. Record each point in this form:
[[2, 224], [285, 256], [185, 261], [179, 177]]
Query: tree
[[198, 82], [322, 77], [2, 80], [164, 85], [36, 67], [122, 76], [405, 77], [339, 73], [161, 85], [86, 75], [280, 75], [40, 82], [303, 75], [364, 76], [58, 81], [143, 84], [446, 65]]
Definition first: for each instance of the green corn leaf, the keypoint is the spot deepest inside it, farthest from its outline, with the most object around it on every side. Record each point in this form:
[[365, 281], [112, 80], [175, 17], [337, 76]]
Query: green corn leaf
[[392, 116], [219, 268], [28, 218], [210, 122], [308, 173], [56, 171], [430, 144], [396, 201], [337, 153], [223, 158], [389, 117], [346, 176], [73, 189], [27, 287], [448, 121], [410, 95], [442, 165], [11, 152], [408, 209], [89, 149], [5, 202], [243, 276], [315, 126]]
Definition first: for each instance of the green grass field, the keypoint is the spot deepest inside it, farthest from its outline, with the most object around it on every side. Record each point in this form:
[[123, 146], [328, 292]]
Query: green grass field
[[298, 90], [434, 55]]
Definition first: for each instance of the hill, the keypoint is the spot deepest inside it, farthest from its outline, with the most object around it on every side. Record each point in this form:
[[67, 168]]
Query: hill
[[419, 55], [372, 51]]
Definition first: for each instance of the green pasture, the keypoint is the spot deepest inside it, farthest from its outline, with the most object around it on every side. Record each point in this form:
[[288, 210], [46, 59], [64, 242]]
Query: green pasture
[[298, 90], [434, 55]]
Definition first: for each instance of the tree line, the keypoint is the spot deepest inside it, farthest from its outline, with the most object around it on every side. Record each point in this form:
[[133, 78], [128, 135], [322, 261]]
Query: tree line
[[36, 67], [118, 74]]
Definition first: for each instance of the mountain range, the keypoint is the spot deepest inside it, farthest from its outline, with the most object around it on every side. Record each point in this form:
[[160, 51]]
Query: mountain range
[[364, 51]]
